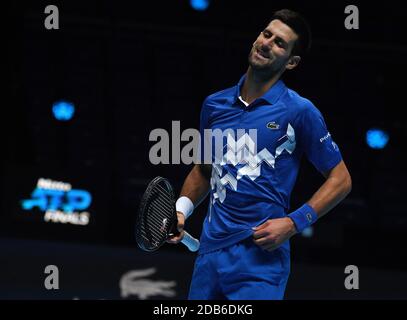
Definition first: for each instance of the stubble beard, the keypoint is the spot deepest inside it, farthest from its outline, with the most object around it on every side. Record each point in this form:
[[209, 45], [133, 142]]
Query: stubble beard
[[265, 70]]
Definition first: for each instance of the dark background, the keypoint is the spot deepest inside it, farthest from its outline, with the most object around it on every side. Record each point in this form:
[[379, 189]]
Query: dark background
[[131, 67]]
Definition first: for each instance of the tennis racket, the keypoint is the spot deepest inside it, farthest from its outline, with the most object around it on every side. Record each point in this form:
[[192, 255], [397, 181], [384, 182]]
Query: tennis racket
[[157, 217]]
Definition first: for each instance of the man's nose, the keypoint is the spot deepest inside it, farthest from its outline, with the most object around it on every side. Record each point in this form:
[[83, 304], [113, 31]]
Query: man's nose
[[265, 46], [267, 43]]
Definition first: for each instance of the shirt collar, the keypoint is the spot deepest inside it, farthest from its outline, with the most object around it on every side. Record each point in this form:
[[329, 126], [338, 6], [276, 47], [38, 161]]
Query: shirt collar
[[271, 96]]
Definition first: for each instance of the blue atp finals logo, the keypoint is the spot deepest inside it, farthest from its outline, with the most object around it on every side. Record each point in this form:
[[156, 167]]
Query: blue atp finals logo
[[59, 202]]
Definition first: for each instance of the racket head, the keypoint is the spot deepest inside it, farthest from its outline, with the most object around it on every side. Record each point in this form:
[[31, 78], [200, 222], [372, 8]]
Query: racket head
[[157, 217]]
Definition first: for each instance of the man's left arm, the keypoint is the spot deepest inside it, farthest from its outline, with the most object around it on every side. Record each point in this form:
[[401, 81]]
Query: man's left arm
[[336, 187]]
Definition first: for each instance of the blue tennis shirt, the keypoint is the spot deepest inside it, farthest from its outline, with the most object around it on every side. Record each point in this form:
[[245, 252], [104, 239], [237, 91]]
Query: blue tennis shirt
[[256, 161]]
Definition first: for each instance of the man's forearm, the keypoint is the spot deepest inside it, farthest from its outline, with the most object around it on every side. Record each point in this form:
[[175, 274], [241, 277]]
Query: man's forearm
[[196, 185], [336, 187]]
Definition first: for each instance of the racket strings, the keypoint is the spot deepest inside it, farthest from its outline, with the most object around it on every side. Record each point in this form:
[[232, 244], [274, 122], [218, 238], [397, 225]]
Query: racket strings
[[168, 195], [159, 206]]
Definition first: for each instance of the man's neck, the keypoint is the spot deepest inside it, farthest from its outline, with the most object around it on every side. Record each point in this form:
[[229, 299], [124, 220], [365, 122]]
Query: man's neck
[[256, 85]]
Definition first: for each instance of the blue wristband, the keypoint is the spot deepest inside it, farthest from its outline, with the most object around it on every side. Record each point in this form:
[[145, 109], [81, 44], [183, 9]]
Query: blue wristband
[[303, 217]]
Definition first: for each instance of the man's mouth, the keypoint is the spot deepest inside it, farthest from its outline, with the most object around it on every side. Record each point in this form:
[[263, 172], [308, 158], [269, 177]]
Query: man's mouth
[[262, 54]]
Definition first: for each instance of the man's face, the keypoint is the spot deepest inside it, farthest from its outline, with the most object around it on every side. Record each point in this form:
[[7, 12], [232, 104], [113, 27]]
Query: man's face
[[272, 49]]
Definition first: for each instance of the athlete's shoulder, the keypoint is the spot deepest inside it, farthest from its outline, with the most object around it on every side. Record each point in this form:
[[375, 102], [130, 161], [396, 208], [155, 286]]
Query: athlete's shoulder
[[214, 103], [298, 104], [220, 97]]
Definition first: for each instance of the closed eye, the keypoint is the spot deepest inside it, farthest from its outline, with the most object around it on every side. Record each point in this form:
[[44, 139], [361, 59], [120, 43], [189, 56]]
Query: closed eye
[[279, 41], [266, 34]]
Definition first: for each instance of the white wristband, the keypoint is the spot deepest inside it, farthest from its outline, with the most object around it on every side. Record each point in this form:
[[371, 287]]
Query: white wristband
[[184, 205]]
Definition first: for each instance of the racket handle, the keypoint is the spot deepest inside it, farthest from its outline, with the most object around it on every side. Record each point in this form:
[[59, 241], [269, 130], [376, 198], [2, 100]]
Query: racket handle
[[190, 242]]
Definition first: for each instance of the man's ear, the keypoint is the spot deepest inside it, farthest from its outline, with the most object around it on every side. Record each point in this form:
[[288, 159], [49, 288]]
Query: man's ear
[[293, 62]]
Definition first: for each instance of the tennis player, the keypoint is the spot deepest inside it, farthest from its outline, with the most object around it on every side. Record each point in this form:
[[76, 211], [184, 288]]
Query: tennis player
[[245, 252]]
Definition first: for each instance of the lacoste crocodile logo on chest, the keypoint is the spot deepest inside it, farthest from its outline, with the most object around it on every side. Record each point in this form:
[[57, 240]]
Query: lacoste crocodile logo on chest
[[273, 125]]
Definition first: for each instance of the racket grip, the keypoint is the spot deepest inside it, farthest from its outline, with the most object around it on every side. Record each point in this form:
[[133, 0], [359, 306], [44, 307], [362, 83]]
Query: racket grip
[[191, 243]]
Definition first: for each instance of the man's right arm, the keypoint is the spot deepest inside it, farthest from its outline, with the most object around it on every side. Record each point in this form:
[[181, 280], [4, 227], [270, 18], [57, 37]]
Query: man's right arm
[[196, 187]]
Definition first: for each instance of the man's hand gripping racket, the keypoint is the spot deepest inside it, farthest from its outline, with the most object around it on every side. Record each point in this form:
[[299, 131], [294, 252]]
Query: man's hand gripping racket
[[157, 219]]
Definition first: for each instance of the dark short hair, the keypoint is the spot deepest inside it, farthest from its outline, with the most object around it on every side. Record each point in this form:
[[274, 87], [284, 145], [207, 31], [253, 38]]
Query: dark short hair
[[299, 25]]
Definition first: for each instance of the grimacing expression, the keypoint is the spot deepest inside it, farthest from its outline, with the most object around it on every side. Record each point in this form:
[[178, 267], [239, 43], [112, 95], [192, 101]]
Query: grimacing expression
[[271, 52]]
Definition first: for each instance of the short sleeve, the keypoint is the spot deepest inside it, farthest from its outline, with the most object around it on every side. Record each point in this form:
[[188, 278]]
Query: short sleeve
[[316, 140]]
